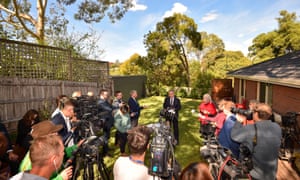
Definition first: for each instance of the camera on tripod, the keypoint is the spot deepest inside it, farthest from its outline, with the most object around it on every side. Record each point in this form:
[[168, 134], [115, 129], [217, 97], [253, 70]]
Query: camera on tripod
[[162, 158], [241, 111]]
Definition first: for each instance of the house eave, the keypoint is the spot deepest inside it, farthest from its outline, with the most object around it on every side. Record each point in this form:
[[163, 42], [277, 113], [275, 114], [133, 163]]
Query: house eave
[[283, 82]]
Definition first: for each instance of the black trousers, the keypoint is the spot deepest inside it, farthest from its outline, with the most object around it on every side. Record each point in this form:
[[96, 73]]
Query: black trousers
[[122, 139], [134, 122], [106, 132], [174, 123]]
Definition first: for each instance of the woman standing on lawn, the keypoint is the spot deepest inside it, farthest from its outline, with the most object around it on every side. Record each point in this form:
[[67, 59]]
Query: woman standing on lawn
[[123, 124], [206, 109]]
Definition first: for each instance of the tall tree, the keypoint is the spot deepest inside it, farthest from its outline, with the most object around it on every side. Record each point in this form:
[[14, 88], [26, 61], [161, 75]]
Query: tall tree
[[18, 14], [167, 48], [213, 48], [130, 66], [278, 42], [230, 60]]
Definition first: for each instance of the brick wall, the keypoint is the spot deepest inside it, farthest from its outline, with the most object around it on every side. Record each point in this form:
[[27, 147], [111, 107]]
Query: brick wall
[[286, 99], [251, 90]]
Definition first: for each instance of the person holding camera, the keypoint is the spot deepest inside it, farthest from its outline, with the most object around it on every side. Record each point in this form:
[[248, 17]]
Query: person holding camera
[[263, 139], [123, 124], [172, 104], [224, 137], [133, 167]]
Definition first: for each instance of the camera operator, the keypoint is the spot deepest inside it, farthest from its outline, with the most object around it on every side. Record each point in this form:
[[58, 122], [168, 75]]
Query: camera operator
[[173, 103], [251, 106], [63, 118], [225, 134], [106, 109], [133, 167], [263, 140]]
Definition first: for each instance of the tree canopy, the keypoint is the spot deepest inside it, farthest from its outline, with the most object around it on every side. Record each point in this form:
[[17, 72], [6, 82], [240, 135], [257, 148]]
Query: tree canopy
[[130, 66], [167, 47], [285, 38]]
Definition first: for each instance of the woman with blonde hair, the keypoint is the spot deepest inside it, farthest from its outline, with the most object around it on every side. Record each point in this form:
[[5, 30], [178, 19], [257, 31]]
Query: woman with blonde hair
[[206, 109]]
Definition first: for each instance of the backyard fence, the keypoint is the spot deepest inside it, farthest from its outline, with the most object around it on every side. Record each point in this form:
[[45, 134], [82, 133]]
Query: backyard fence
[[31, 76]]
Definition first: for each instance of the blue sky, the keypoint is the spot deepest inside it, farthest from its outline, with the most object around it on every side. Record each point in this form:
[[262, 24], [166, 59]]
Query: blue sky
[[236, 22]]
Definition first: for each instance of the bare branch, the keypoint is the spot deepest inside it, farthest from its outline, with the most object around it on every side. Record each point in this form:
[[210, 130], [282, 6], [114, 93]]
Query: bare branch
[[22, 15]]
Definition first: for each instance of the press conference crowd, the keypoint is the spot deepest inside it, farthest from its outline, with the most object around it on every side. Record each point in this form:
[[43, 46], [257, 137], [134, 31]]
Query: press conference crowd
[[42, 147]]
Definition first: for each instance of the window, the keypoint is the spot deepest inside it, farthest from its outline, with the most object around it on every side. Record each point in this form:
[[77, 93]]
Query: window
[[242, 89], [242, 93], [265, 94]]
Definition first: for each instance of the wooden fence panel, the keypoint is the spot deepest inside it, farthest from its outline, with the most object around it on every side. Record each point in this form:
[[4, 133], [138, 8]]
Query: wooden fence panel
[[18, 95]]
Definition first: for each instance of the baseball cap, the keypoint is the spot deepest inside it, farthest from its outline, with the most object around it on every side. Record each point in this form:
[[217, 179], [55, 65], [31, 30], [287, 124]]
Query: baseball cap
[[44, 128]]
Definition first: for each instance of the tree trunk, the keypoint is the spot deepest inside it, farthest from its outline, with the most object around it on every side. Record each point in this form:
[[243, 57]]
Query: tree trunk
[[40, 25]]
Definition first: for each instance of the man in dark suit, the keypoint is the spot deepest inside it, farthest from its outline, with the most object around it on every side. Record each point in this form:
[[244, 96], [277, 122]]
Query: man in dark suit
[[135, 108], [172, 105], [63, 118], [105, 108]]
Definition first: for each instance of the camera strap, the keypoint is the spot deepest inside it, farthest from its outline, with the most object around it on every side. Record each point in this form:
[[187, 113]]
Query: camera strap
[[254, 140]]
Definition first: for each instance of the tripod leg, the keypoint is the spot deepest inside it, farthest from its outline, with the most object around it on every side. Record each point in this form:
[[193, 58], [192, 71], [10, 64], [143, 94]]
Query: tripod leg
[[102, 169]]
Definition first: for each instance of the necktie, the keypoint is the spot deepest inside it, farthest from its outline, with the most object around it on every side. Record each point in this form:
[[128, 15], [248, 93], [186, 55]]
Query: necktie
[[171, 101]]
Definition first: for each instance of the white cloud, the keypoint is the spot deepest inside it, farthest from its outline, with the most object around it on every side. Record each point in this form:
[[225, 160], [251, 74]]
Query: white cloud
[[137, 7], [177, 8], [210, 16]]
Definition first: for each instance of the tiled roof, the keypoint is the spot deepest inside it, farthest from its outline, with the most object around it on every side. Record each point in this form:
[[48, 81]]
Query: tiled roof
[[283, 70]]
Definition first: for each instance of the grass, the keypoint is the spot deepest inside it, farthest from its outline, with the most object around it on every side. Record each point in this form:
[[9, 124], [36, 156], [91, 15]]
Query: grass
[[188, 149]]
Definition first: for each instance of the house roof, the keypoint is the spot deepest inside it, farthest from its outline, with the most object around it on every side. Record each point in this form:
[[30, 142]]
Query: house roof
[[283, 70]]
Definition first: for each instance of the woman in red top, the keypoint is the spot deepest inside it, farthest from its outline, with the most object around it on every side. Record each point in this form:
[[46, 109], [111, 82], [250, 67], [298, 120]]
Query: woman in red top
[[206, 109]]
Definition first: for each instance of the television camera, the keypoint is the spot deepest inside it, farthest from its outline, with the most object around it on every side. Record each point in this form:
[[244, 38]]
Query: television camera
[[162, 157], [88, 156], [241, 111]]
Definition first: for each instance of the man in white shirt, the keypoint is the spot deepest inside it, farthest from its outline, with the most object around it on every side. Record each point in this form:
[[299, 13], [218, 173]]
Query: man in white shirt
[[63, 118], [133, 167]]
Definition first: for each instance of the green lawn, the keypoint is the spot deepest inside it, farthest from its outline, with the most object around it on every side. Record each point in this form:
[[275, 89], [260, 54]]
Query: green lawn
[[190, 141]]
